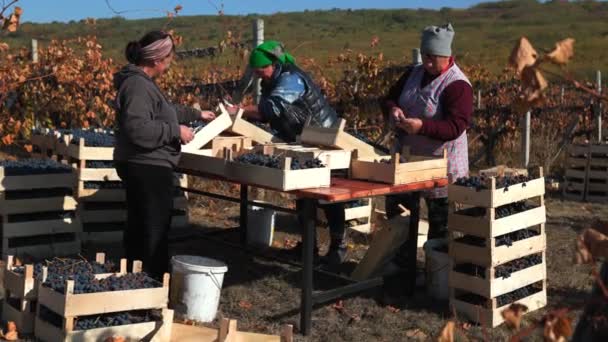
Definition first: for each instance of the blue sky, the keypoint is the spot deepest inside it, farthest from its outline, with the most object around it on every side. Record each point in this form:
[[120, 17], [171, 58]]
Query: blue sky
[[66, 10]]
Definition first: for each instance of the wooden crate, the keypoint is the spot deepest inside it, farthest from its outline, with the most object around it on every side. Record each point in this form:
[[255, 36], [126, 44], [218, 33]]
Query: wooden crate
[[33, 182], [43, 142], [491, 316], [360, 213], [208, 133], [336, 137], [148, 331], [283, 179], [503, 170], [332, 158], [243, 127], [597, 174], [70, 305], [416, 169], [80, 151], [488, 228], [212, 158]]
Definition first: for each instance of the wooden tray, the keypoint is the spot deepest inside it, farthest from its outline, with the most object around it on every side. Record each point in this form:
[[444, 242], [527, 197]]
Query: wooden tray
[[245, 128], [207, 133], [334, 159], [417, 169]]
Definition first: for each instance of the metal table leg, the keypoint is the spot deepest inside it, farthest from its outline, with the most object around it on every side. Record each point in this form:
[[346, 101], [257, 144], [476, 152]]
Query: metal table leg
[[243, 214], [306, 209], [413, 243]]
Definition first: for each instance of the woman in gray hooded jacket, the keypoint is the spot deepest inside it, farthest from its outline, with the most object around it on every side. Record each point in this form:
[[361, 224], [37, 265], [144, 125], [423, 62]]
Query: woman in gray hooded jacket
[[148, 139]]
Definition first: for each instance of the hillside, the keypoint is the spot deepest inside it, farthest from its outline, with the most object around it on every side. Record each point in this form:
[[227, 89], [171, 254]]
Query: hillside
[[484, 33]]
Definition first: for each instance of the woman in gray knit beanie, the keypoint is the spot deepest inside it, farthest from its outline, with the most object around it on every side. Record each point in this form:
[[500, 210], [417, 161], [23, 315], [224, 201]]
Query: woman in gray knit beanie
[[431, 107]]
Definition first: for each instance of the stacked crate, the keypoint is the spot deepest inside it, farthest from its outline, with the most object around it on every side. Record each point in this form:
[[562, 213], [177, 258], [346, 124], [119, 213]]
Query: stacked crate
[[597, 174], [576, 172], [497, 248], [58, 313], [38, 214]]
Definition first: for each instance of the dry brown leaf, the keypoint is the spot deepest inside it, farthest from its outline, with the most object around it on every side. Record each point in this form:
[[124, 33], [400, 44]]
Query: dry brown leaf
[[582, 254], [447, 333], [115, 339], [558, 327], [513, 314], [245, 305], [3, 47], [416, 334], [392, 309], [12, 23], [178, 8], [12, 334], [596, 242], [338, 306], [523, 55], [562, 53]]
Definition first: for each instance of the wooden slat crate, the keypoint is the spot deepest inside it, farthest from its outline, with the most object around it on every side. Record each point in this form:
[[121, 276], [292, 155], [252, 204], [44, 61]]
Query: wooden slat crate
[[475, 214], [359, 213], [416, 169], [71, 305], [332, 158], [207, 133], [577, 164], [336, 137], [597, 174], [43, 142], [22, 229]]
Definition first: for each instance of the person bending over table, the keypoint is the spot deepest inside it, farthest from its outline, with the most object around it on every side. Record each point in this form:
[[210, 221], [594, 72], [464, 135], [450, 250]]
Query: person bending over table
[[148, 142], [431, 107], [289, 99]]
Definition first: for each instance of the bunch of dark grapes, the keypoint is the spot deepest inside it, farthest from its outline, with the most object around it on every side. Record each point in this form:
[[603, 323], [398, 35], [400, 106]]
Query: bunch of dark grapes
[[116, 319], [274, 161], [103, 185], [504, 271], [472, 240], [518, 294], [471, 269], [64, 265], [265, 127], [510, 238], [355, 204], [85, 282], [500, 212], [482, 182], [99, 164], [94, 138], [26, 167]]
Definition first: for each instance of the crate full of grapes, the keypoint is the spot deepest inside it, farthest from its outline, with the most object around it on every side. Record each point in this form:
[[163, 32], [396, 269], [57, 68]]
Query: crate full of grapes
[[21, 285], [497, 245], [277, 172], [38, 209], [399, 168], [89, 307], [335, 159], [211, 158]]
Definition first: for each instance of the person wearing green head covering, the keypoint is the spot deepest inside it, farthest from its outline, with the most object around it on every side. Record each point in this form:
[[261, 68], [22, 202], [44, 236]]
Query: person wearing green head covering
[[289, 100]]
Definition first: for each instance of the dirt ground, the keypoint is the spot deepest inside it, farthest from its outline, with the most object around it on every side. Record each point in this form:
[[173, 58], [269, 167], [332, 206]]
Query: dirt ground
[[262, 294]]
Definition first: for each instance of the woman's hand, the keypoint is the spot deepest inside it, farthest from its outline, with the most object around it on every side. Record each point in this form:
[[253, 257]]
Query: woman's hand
[[411, 126], [185, 134], [207, 115], [232, 109], [397, 115]]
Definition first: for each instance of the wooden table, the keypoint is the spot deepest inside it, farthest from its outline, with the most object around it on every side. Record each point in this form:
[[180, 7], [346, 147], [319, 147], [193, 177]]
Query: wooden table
[[306, 208]]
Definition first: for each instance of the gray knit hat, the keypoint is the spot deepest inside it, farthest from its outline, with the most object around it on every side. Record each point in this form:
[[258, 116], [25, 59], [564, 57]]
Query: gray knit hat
[[437, 40]]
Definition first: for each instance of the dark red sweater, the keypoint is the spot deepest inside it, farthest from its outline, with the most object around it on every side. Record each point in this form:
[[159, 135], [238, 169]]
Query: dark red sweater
[[456, 102]]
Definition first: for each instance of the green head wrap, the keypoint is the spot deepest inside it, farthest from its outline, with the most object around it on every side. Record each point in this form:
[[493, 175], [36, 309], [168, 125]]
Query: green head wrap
[[269, 52]]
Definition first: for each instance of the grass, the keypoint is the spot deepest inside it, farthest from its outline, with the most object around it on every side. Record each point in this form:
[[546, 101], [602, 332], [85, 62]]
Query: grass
[[484, 33]]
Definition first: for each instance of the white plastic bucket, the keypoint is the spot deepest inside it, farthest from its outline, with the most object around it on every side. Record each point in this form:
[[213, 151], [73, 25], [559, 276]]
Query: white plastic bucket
[[260, 226], [196, 283], [437, 266]]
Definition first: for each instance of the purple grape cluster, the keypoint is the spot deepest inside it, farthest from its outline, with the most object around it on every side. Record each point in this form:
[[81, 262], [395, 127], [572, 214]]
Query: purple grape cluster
[[93, 138], [510, 238], [99, 164], [500, 212], [85, 282], [504, 271], [24, 167], [482, 182], [103, 185], [69, 265], [274, 162], [504, 299]]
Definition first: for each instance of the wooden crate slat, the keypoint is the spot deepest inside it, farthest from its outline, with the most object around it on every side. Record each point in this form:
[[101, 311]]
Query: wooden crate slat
[[102, 237], [20, 285], [358, 212], [573, 173], [402, 173], [33, 182], [362, 228], [207, 133], [485, 227], [492, 317], [101, 195], [69, 305], [43, 227], [498, 197], [82, 152], [98, 175], [491, 288], [203, 160], [336, 137], [148, 331], [578, 150], [485, 256], [36, 205]]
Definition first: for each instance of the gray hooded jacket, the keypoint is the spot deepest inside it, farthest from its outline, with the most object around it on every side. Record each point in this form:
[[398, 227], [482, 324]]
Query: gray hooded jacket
[[147, 129]]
